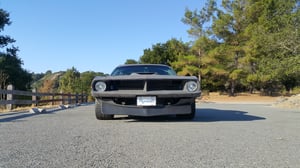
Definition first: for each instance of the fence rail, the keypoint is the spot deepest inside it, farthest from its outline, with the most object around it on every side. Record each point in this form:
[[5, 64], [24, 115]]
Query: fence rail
[[9, 98]]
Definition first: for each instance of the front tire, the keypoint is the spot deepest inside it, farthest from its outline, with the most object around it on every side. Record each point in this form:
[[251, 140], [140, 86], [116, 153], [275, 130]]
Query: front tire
[[99, 113]]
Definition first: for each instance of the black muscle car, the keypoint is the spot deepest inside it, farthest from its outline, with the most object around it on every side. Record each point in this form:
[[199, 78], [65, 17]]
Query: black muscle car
[[145, 90]]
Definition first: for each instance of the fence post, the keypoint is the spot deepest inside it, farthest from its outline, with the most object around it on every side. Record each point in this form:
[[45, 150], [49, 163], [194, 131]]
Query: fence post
[[62, 98], [52, 98], [9, 97], [34, 98]]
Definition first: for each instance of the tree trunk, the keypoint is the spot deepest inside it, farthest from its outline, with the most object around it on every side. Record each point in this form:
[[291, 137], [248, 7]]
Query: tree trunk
[[199, 77], [251, 89], [199, 73], [232, 88]]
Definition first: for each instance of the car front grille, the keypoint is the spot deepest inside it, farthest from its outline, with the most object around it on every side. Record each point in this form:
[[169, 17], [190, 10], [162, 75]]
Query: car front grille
[[147, 85]]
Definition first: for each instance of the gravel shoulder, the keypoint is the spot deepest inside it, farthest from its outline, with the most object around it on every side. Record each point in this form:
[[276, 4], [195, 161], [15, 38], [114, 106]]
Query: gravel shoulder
[[242, 98], [291, 102]]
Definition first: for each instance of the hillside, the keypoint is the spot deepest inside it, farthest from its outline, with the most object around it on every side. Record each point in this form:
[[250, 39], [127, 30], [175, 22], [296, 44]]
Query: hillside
[[48, 83]]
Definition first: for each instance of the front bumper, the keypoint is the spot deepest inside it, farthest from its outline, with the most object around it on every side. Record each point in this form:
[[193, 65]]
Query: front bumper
[[183, 106], [134, 93]]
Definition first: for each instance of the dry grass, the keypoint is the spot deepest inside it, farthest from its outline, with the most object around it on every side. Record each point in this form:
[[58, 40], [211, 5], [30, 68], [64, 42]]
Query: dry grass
[[292, 102], [241, 98]]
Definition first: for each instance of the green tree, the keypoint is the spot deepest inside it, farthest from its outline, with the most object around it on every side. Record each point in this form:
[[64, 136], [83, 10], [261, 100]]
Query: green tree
[[86, 80], [11, 70], [194, 63], [165, 53], [70, 81], [275, 43], [131, 61], [245, 44], [229, 27], [198, 20]]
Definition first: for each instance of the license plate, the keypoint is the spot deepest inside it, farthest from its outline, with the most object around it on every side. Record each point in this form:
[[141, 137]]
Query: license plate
[[146, 101]]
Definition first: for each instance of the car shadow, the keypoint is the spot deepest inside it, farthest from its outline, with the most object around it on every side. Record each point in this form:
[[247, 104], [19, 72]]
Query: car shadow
[[215, 115], [202, 115]]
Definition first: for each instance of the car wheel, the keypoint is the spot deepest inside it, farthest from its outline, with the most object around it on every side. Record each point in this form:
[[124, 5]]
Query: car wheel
[[191, 115], [99, 113]]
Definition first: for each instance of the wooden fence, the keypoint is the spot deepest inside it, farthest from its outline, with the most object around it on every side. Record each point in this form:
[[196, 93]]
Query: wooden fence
[[9, 98]]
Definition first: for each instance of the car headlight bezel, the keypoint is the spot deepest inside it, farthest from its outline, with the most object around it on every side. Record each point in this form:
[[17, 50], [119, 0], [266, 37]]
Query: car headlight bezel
[[100, 86], [191, 86]]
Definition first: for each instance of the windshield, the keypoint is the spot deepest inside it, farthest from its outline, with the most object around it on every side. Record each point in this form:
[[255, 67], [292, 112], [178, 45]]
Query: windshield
[[143, 69]]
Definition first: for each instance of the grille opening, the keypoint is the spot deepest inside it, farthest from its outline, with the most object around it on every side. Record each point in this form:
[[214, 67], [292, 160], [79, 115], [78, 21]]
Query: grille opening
[[167, 101], [125, 101], [154, 85], [126, 85]]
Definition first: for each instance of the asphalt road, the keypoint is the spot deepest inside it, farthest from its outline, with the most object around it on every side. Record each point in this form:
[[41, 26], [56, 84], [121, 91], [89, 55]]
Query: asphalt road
[[221, 135]]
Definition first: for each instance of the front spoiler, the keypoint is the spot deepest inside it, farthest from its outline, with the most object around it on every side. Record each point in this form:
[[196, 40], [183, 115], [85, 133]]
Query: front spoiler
[[182, 107]]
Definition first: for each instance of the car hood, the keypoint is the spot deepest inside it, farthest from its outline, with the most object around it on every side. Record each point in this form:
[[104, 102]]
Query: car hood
[[145, 77]]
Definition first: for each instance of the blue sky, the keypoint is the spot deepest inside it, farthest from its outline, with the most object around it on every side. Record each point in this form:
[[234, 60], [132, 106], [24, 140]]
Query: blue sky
[[92, 35]]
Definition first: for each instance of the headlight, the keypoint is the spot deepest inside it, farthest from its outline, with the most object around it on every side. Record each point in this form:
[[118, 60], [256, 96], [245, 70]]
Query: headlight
[[192, 86], [100, 86]]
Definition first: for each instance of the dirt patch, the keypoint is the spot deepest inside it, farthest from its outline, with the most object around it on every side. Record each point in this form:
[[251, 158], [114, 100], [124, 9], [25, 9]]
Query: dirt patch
[[288, 102], [241, 98], [279, 101]]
